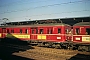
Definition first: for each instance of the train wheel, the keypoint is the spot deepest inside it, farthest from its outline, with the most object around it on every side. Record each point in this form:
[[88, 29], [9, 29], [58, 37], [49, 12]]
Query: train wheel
[[57, 46], [87, 48], [80, 48], [48, 44], [70, 48], [40, 44], [84, 48], [28, 41]]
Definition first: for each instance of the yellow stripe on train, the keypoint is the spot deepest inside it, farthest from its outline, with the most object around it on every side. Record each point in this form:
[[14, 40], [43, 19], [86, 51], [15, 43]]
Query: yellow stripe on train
[[41, 37], [87, 39], [17, 36], [0, 35]]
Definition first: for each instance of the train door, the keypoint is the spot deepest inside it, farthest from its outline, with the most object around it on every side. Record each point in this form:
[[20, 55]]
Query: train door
[[34, 32], [3, 32], [49, 32], [68, 32]]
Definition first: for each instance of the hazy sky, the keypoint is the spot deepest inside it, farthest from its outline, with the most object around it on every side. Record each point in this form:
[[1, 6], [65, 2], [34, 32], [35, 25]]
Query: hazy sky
[[23, 10]]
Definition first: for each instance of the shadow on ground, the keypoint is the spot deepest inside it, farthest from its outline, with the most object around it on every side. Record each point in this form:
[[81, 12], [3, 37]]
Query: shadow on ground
[[80, 57], [7, 50]]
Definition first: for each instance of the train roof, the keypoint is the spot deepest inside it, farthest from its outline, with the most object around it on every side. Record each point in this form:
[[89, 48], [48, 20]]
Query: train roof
[[82, 24], [35, 25]]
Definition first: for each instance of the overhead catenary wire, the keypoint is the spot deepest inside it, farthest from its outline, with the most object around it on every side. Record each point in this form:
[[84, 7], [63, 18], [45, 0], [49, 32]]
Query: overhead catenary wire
[[42, 7]]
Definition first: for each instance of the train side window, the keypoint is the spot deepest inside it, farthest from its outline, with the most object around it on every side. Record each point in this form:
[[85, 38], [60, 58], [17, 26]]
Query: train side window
[[4, 30], [87, 31], [20, 30], [41, 31], [36, 31], [12, 31], [77, 31], [59, 30], [49, 31], [32, 31], [8, 31], [26, 31]]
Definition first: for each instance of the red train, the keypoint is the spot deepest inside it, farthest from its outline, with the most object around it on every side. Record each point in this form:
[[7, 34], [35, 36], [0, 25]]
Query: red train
[[57, 35], [81, 35]]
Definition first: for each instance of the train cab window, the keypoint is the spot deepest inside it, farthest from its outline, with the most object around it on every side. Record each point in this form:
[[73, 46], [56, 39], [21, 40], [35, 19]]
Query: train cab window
[[41, 31], [26, 31], [87, 31], [20, 30], [77, 31], [59, 30]]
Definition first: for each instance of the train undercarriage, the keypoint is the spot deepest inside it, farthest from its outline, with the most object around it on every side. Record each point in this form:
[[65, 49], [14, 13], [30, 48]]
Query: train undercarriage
[[62, 45], [49, 44]]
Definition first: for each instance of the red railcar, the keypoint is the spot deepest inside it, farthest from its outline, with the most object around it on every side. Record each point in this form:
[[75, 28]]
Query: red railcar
[[81, 35], [50, 32], [55, 33], [18, 32]]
